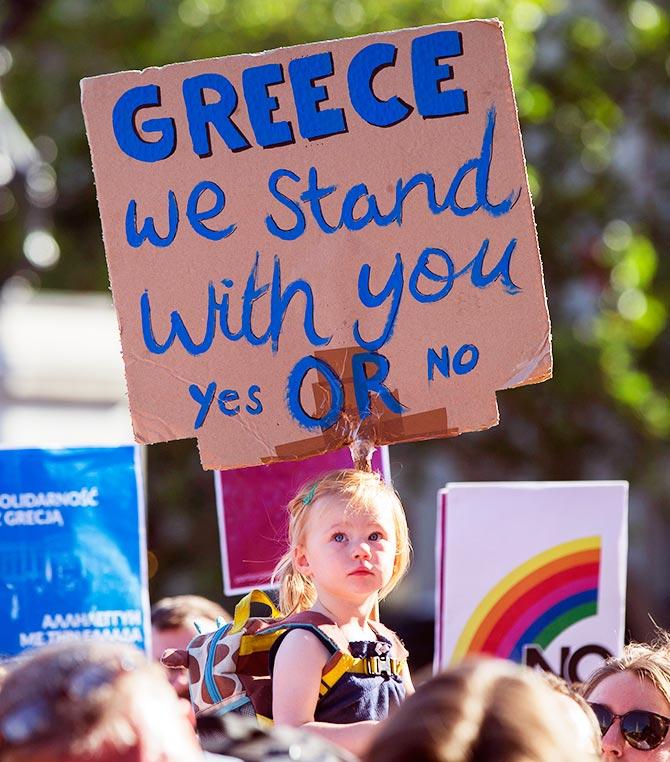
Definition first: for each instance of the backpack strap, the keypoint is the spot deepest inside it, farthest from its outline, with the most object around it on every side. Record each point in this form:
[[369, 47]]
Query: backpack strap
[[243, 609], [341, 661], [398, 650], [308, 621], [336, 668], [324, 625]]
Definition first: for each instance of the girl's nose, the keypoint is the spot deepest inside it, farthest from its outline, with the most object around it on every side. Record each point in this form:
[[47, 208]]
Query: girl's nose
[[613, 742], [361, 550]]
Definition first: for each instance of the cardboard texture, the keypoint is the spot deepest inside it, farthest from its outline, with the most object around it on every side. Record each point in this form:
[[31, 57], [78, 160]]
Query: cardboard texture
[[341, 243]]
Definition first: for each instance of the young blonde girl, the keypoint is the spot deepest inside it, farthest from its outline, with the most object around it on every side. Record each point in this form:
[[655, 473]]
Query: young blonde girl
[[348, 548]]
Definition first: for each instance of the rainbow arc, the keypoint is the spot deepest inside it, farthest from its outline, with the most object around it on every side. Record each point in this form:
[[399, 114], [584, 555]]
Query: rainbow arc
[[535, 602]]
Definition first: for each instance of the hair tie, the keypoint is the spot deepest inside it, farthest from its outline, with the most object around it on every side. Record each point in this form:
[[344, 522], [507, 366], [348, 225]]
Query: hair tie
[[310, 495]]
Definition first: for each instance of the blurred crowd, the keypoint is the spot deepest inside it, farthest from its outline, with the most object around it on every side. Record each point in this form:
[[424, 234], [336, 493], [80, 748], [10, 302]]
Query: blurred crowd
[[86, 701]]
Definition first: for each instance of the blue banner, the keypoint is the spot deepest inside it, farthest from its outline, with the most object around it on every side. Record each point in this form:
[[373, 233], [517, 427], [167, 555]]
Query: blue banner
[[72, 547]]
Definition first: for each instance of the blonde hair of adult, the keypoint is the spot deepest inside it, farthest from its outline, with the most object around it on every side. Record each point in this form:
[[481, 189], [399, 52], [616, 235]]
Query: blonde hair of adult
[[650, 661], [484, 710], [360, 491]]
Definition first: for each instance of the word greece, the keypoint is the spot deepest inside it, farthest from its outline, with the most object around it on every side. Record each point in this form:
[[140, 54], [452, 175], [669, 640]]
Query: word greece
[[210, 100]]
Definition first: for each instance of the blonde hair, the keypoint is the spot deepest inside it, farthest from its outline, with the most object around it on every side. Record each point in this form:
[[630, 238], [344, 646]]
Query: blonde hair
[[563, 688], [649, 661], [484, 710], [359, 490]]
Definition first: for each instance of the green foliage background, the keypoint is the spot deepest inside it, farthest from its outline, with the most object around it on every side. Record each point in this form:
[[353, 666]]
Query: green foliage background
[[592, 83]]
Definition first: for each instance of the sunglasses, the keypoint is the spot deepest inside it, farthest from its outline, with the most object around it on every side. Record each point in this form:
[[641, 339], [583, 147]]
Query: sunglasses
[[641, 729]]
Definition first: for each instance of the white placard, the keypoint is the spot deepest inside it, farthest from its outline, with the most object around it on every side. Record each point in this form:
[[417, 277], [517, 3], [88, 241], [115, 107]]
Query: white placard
[[532, 571]]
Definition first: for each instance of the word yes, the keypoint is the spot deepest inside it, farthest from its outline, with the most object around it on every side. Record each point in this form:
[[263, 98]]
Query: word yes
[[227, 400]]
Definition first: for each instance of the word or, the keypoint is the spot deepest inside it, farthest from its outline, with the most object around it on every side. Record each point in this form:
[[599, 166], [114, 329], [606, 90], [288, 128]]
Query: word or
[[226, 399], [366, 387], [314, 121]]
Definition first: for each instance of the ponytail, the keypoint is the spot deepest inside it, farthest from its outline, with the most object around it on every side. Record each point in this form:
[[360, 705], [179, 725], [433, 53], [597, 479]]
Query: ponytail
[[296, 592]]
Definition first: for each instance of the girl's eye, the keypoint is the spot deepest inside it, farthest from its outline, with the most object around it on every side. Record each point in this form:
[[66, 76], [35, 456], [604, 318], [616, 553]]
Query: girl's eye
[[338, 537], [375, 537]]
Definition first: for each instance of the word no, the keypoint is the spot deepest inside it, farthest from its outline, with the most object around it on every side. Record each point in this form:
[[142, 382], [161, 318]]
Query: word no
[[534, 657]]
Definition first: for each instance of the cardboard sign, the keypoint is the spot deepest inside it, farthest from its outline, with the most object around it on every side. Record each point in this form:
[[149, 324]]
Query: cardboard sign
[[72, 548], [320, 243], [532, 571], [251, 506]]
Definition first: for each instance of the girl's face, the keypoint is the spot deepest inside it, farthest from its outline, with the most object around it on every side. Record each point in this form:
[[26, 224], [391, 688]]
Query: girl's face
[[348, 554], [625, 692]]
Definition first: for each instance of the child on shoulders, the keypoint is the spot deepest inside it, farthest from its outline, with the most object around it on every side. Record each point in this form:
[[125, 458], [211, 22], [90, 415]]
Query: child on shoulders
[[348, 548]]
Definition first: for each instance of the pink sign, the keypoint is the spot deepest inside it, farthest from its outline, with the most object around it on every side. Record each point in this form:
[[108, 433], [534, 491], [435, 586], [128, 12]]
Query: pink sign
[[251, 506]]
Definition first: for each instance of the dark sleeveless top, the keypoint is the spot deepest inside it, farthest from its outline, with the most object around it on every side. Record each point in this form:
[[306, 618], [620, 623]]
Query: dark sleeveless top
[[356, 697]]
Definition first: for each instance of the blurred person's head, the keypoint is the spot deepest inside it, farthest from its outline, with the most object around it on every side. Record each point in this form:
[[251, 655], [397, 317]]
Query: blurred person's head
[[93, 702], [484, 710], [173, 625], [630, 696], [580, 714], [239, 737]]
